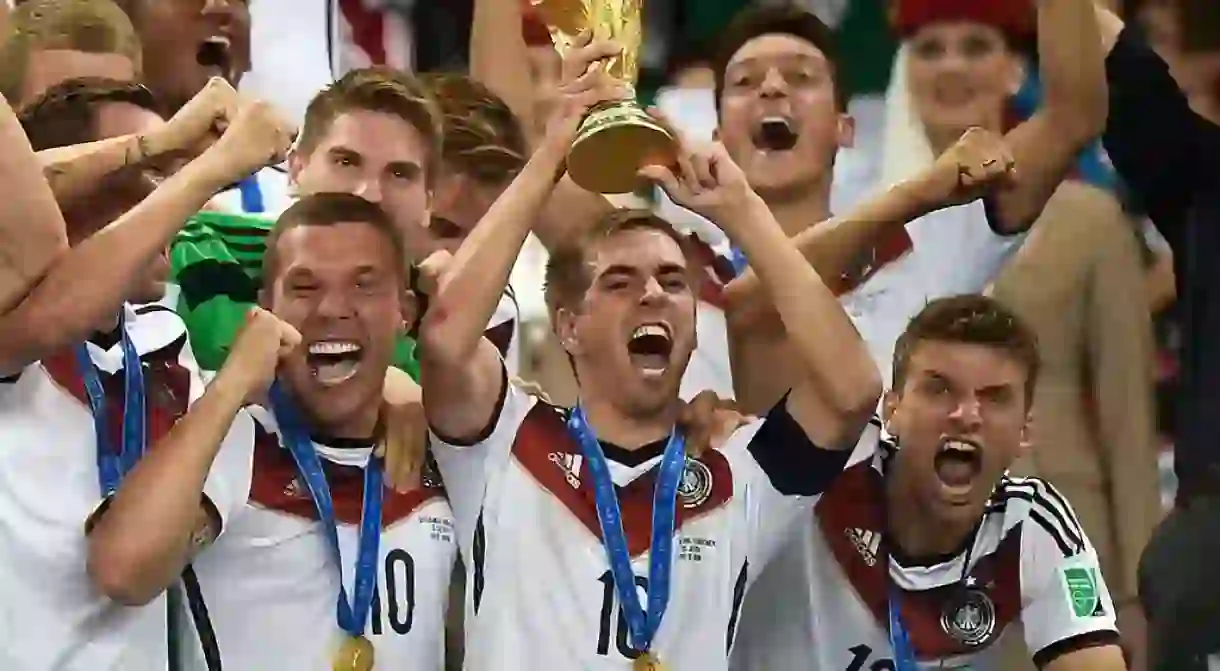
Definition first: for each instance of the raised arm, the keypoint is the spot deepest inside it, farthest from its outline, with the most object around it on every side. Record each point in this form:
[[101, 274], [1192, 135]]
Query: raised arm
[[499, 57], [1161, 168], [89, 283], [757, 342], [174, 502], [32, 231], [836, 385], [1073, 111], [461, 373]]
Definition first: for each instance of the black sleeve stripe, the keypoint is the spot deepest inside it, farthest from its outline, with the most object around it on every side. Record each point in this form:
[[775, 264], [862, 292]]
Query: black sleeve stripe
[[1048, 497], [1051, 494], [486, 432], [1066, 535], [10, 379], [791, 462], [1053, 532], [201, 282], [149, 308], [1089, 639]]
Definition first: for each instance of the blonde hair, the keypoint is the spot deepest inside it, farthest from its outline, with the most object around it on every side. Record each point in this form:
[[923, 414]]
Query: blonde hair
[[905, 146], [91, 26]]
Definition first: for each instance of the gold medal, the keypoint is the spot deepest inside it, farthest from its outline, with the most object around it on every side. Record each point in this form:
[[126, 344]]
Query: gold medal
[[355, 654], [647, 662]]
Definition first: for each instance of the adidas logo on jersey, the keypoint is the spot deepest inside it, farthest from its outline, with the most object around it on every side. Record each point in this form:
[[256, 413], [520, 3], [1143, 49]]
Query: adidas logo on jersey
[[866, 542], [570, 465]]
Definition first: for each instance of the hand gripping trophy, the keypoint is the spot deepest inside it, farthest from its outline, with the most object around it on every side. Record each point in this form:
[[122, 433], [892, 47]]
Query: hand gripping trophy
[[619, 138]]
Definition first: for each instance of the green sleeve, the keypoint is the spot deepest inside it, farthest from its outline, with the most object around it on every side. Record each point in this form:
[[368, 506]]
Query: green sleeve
[[217, 263]]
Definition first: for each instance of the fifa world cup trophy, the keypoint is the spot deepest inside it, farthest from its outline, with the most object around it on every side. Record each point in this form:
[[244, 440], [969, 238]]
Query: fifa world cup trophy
[[616, 139]]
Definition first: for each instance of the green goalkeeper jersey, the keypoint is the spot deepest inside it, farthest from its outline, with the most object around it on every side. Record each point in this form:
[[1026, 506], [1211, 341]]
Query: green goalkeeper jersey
[[217, 263]]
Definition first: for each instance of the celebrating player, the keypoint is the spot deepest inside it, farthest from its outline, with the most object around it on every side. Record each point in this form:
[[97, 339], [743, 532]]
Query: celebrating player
[[320, 524], [924, 550], [552, 507], [105, 541]]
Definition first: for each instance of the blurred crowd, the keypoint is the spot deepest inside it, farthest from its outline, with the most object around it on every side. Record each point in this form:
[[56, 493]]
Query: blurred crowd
[[988, 173]]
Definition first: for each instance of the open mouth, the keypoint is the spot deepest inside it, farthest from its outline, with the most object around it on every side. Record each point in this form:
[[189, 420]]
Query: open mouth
[[215, 52], [334, 362], [775, 133], [649, 348], [957, 463]]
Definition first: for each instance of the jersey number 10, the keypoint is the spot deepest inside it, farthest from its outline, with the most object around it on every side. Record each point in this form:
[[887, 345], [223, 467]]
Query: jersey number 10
[[399, 577]]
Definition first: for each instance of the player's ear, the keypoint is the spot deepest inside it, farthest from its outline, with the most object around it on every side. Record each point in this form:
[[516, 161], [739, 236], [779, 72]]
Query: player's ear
[[408, 306], [888, 406], [565, 329], [1026, 443]]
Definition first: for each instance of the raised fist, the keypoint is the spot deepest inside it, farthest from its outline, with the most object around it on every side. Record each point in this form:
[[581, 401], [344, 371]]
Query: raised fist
[[976, 164], [198, 124], [263, 340], [257, 137]]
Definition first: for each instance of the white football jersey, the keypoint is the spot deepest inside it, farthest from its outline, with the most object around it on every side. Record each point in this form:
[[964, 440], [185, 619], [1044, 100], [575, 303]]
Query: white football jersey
[[823, 602], [51, 616], [539, 592], [270, 584], [945, 253]]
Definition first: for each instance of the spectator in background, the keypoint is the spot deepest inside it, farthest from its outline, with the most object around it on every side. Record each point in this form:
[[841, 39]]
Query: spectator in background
[[185, 43], [48, 41], [1163, 137], [1078, 281]]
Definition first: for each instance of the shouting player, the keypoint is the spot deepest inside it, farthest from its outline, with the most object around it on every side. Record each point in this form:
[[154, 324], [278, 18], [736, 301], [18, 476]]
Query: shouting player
[[924, 550], [553, 507], [320, 524]]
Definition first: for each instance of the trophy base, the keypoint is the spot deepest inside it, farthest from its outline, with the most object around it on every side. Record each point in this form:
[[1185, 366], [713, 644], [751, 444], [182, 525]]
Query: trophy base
[[613, 143]]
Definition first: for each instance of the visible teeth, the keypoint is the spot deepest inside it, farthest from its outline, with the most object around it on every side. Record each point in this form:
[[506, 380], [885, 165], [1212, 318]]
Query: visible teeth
[[218, 39], [775, 119], [333, 348], [959, 446], [649, 330]]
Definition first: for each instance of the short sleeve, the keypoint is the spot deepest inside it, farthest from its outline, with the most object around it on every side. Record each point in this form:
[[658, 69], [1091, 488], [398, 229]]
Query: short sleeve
[[227, 487], [783, 474], [467, 468], [1066, 605]]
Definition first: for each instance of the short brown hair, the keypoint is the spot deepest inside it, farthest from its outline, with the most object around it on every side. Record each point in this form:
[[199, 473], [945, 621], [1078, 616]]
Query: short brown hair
[[970, 319], [567, 269], [66, 113], [331, 209], [376, 89], [787, 18], [482, 136], [91, 26]]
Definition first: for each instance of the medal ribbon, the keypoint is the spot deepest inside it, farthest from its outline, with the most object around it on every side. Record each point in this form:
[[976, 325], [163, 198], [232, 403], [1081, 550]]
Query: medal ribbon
[[642, 625], [900, 640], [352, 615], [113, 464]]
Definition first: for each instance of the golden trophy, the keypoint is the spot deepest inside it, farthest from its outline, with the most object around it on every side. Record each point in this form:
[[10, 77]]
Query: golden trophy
[[616, 139]]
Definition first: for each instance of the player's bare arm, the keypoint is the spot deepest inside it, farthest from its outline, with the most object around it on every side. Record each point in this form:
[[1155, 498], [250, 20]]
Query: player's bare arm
[[88, 284], [838, 386], [1073, 111], [461, 371], [32, 230], [76, 171], [976, 163], [499, 58], [159, 518], [1105, 658]]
